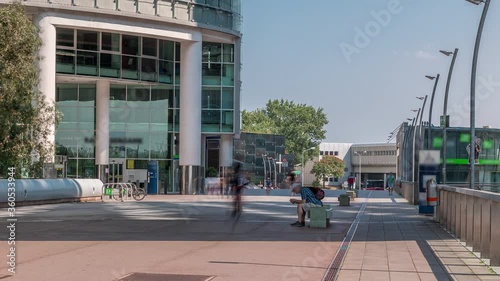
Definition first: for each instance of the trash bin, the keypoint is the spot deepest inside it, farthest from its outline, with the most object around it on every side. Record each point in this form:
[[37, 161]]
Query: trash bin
[[344, 200]]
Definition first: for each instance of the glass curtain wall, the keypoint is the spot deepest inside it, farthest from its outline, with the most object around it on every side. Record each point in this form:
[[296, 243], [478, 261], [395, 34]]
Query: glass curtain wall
[[112, 55], [75, 133], [218, 88]]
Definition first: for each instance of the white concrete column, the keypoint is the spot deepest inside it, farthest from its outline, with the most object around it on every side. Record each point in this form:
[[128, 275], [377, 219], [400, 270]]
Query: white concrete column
[[102, 123], [190, 104], [47, 66], [226, 151]]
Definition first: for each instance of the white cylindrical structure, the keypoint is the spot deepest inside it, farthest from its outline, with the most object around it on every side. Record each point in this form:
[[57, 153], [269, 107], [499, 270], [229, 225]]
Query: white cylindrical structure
[[47, 66], [226, 150], [190, 104], [190, 118], [102, 123]]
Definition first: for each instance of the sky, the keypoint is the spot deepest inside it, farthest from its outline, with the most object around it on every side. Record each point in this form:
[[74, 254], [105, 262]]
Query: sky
[[365, 61]]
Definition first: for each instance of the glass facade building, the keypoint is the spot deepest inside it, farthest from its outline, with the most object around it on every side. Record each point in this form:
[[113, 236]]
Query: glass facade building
[[140, 82], [261, 155], [457, 153]]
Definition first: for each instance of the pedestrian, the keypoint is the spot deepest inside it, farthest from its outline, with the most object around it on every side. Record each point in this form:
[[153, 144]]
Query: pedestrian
[[308, 200], [350, 182], [390, 183]]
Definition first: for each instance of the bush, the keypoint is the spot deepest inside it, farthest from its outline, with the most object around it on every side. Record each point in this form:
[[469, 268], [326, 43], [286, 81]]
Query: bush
[[316, 183], [211, 172]]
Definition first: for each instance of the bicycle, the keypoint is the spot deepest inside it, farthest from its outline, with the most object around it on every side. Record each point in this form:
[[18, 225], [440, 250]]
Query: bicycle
[[132, 190]]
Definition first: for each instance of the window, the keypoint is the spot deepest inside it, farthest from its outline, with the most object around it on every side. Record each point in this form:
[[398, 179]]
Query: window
[[110, 42], [87, 40], [65, 37], [336, 153], [321, 153], [130, 45], [149, 47], [330, 153]]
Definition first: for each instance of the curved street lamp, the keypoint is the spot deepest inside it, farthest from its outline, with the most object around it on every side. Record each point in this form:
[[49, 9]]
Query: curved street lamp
[[473, 87], [445, 109]]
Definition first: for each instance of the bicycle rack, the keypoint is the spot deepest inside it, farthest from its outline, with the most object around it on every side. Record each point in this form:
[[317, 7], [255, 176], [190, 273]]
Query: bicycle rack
[[124, 190]]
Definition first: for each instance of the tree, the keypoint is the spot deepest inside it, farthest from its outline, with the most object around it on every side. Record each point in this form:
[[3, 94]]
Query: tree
[[328, 166], [301, 124], [26, 117]]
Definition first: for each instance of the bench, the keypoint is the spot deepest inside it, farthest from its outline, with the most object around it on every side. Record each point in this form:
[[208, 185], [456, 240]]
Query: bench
[[351, 194], [320, 216]]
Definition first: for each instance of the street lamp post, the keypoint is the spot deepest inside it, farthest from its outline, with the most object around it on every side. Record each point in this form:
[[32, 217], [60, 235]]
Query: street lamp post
[[302, 167], [430, 108], [445, 108], [473, 89], [359, 155], [420, 135], [413, 150]]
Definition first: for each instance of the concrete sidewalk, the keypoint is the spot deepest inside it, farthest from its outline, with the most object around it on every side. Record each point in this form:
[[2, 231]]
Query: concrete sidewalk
[[393, 242]]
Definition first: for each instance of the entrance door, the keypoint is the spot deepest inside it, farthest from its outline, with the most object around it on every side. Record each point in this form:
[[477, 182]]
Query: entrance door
[[115, 170]]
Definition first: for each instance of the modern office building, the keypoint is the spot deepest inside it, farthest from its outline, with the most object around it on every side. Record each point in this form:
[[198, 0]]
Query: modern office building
[[141, 81], [371, 161], [410, 139]]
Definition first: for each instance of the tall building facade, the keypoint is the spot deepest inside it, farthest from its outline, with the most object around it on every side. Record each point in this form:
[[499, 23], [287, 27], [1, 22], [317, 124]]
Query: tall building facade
[[140, 81]]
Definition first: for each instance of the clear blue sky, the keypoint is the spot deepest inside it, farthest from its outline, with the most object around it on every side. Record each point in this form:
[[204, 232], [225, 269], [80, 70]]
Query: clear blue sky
[[292, 50]]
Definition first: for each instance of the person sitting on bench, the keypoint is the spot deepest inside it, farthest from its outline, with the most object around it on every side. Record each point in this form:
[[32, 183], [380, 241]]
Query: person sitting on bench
[[308, 200]]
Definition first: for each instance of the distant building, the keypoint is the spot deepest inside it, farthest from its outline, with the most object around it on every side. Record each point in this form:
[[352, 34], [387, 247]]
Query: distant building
[[377, 161]]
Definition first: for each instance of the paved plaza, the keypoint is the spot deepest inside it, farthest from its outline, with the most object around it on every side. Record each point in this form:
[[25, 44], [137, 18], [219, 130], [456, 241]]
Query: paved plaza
[[192, 238]]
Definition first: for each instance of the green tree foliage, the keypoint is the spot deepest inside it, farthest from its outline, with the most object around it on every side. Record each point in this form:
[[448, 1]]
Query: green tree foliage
[[328, 166], [25, 117], [301, 124]]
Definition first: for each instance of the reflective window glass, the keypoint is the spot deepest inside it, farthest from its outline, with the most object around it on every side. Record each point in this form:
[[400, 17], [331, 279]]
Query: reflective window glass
[[65, 61], [86, 168], [210, 120], [166, 72], [69, 115], [130, 67], [138, 96], [212, 52], [86, 114], [117, 96], [225, 4], [159, 115], [149, 47], [159, 145], [148, 69], [167, 51], [227, 121], [110, 65], [229, 53], [211, 74], [116, 148], [138, 145], [130, 45], [86, 95], [87, 40], [87, 63], [177, 73], [177, 51], [65, 37], [211, 98], [161, 96], [228, 75], [227, 98], [67, 94], [110, 42]]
